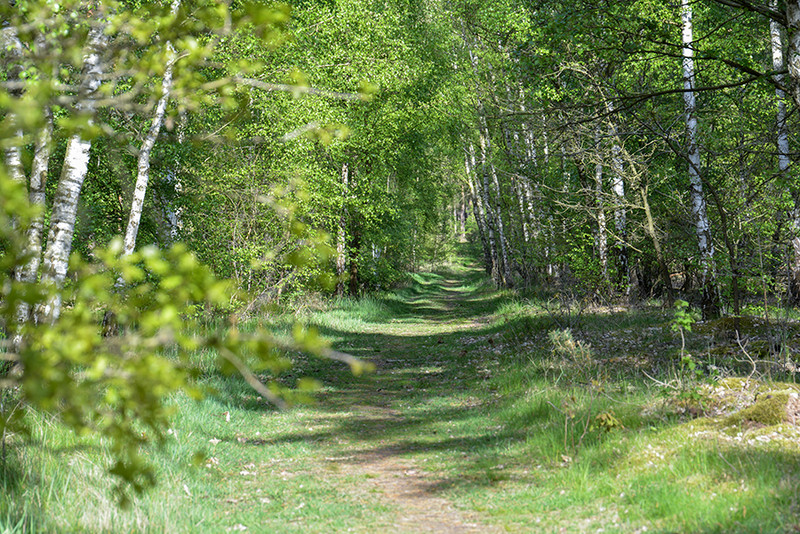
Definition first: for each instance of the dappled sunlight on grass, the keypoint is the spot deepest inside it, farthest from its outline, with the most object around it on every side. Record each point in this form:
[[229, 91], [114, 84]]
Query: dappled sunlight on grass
[[469, 401]]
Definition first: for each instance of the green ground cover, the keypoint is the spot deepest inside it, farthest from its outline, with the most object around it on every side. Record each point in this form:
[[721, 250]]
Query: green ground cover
[[475, 408]]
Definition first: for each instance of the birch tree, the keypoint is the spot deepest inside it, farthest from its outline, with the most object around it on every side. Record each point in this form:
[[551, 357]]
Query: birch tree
[[73, 173], [699, 212], [143, 162], [782, 142]]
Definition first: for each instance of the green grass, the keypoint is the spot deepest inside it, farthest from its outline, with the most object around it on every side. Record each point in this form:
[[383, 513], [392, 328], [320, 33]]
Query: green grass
[[468, 391]]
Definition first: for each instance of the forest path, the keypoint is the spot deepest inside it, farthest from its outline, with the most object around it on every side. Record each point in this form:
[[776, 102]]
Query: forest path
[[393, 428]]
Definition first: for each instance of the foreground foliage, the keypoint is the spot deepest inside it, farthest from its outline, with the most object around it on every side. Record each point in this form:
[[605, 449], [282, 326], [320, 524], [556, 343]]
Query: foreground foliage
[[124, 344]]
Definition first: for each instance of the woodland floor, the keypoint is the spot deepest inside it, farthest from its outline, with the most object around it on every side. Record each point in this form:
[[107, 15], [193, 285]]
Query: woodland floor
[[469, 423]]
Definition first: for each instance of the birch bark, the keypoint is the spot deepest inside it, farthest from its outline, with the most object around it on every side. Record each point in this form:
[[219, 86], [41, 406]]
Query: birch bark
[[489, 168], [620, 212], [341, 232], [491, 220], [699, 211], [793, 48], [10, 43], [602, 230], [38, 184], [73, 173], [143, 163], [477, 207], [782, 138]]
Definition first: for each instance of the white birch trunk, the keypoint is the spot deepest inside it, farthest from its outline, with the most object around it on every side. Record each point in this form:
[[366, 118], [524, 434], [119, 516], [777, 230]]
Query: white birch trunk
[[702, 222], [462, 217], [504, 245], [38, 185], [10, 43], [478, 210], [28, 272], [602, 230], [793, 48], [73, 173], [519, 190], [341, 232], [776, 41], [13, 160], [782, 137], [620, 212], [143, 164], [489, 213]]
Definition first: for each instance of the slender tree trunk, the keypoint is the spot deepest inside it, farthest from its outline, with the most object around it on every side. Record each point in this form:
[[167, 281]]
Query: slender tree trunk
[[492, 217], [354, 243], [710, 306], [489, 214], [355, 246], [505, 266], [793, 49], [620, 213], [602, 229], [73, 173], [462, 217], [776, 41], [38, 183], [477, 207], [341, 235], [143, 164], [10, 43], [662, 264], [13, 160]]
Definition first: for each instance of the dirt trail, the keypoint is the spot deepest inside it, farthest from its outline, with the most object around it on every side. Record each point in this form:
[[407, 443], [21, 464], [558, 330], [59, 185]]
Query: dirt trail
[[386, 471], [406, 487]]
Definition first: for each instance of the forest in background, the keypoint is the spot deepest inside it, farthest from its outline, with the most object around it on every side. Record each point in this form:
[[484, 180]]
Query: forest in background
[[605, 152], [616, 151]]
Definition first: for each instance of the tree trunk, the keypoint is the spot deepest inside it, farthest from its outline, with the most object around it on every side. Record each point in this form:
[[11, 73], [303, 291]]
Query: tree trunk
[[710, 306], [73, 173], [462, 217], [487, 207], [13, 153], [355, 246], [793, 49], [143, 164], [341, 235], [620, 213], [477, 208], [662, 264], [602, 229], [486, 149], [776, 41], [38, 183]]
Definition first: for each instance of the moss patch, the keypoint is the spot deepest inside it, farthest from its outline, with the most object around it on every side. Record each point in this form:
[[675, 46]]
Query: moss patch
[[771, 408]]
